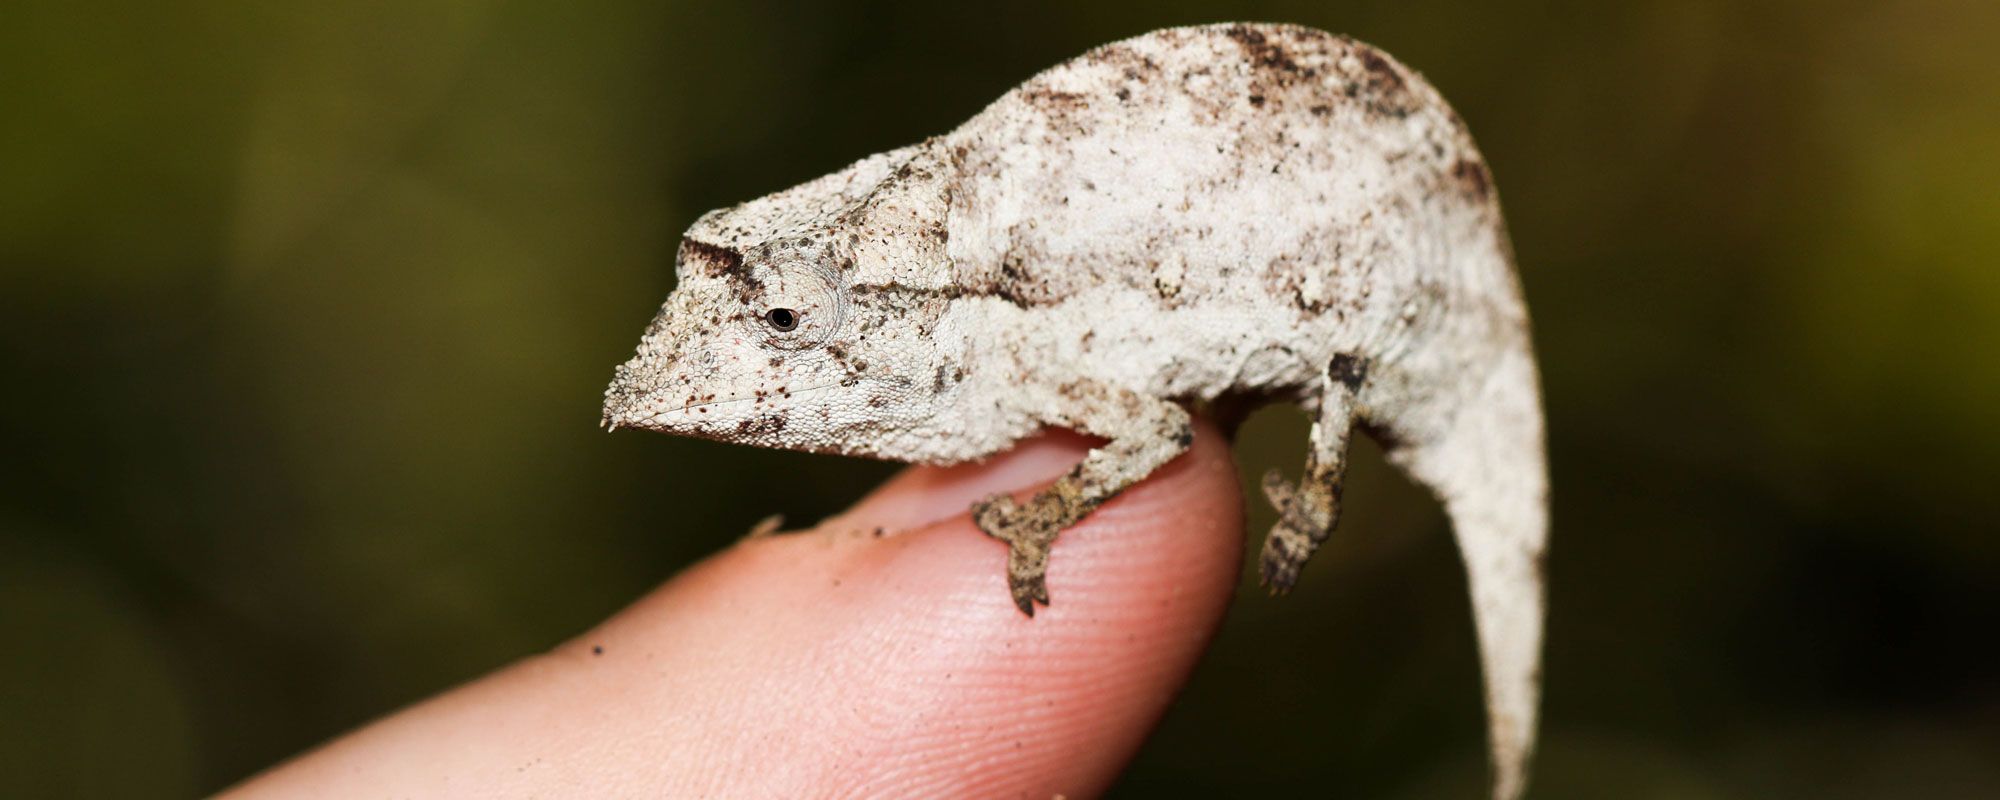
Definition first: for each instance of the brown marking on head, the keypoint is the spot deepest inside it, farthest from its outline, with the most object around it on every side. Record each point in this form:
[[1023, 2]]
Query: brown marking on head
[[715, 259], [723, 262]]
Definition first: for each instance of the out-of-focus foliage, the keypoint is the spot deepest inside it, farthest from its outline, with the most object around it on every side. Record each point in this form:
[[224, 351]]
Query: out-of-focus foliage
[[305, 310]]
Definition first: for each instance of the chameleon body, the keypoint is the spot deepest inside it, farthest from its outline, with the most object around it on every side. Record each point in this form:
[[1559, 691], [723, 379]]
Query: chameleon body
[[1211, 217]]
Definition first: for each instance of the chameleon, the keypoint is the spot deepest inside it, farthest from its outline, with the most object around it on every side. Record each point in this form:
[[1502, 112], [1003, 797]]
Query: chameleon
[[1195, 220]]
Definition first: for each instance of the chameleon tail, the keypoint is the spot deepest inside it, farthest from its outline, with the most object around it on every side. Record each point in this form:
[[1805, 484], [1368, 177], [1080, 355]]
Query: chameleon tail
[[1489, 470]]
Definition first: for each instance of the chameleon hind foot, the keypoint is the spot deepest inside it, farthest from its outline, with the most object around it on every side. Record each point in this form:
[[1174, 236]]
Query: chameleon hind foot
[[1291, 540]]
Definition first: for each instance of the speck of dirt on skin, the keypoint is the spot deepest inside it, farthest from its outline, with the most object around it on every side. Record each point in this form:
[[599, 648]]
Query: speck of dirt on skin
[[597, 650], [878, 533]]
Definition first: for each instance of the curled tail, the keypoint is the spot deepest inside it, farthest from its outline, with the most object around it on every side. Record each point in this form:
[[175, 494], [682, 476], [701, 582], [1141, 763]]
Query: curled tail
[[1488, 468]]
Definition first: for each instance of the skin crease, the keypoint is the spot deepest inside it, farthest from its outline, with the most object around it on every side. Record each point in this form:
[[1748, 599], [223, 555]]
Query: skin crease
[[1209, 217], [835, 663]]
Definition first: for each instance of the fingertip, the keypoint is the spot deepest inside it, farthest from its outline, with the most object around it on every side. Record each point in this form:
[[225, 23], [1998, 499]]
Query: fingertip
[[918, 635], [838, 662]]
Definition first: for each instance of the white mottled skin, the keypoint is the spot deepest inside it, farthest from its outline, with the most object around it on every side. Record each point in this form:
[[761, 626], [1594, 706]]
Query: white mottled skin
[[1218, 216]]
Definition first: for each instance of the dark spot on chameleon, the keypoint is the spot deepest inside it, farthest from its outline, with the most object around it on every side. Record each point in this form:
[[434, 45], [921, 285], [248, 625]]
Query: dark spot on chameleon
[[876, 401], [1054, 101], [1351, 370], [1184, 438], [1246, 35], [1473, 179], [1269, 55], [720, 260], [1321, 110], [1123, 93], [1383, 72], [937, 381], [957, 374], [1257, 100]]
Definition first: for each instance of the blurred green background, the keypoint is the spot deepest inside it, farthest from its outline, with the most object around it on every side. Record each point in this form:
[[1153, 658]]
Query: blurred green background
[[306, 309]]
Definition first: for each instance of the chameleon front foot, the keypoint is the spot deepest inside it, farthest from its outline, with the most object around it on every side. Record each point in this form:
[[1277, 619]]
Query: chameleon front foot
[[1028, 536]]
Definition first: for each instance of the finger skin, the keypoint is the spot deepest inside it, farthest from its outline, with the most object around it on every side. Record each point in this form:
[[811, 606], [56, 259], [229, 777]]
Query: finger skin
[[842, 663]]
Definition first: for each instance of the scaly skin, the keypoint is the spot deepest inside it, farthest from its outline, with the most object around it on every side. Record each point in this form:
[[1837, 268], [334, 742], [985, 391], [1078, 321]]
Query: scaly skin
[[1192, 216]]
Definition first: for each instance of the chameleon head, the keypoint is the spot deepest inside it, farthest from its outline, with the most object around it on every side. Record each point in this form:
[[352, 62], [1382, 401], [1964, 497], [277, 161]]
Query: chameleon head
[[766, 345]]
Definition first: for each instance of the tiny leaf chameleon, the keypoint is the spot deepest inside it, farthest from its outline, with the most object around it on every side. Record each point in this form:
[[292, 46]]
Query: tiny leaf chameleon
[[1214, 217]]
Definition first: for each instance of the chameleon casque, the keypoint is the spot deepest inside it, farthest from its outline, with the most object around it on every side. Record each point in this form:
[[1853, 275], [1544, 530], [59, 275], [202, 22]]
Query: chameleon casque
[[1212, 217]]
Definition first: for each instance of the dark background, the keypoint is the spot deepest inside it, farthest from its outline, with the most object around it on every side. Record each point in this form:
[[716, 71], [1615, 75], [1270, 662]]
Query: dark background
[[305, 313]]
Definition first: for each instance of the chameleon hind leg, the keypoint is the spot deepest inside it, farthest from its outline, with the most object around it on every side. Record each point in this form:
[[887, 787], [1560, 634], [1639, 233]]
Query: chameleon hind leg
[[1309, 509]]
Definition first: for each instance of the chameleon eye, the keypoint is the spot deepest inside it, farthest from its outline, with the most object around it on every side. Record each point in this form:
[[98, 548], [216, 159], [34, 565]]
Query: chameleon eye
[[784, 319]]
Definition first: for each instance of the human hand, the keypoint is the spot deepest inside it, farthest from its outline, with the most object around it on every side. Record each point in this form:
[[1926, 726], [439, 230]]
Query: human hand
[[836, 662]]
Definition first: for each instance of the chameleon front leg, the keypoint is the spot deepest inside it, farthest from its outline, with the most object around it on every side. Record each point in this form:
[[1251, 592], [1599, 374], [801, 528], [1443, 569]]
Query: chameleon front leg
[[1144, 433], [1308, 511]]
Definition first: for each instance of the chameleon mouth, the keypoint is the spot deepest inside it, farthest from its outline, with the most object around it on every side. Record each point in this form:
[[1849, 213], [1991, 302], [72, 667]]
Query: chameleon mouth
[[665, 419]]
